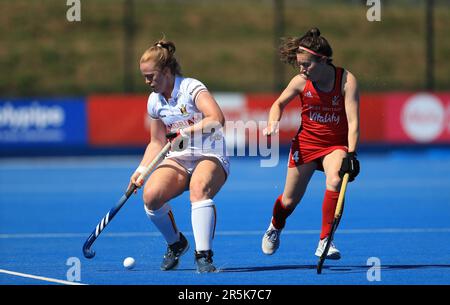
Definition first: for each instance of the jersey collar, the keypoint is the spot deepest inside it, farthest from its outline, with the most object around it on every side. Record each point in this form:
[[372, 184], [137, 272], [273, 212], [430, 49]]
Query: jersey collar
[[176, 87], [175, 90]]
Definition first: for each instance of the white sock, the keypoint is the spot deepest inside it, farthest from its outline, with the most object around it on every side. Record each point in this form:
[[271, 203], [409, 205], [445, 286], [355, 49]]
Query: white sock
[[203, 219], [165, 222]]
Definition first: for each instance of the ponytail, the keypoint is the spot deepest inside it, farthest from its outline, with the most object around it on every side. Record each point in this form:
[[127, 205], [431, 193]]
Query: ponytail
[[162, 54], [311, 42]]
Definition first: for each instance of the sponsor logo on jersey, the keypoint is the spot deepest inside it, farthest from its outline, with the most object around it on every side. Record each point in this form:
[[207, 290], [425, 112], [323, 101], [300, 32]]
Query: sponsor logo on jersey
[[183, 110], [326, 118]]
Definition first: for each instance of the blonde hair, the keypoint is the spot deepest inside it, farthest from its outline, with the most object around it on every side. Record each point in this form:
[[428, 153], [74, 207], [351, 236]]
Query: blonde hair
[[162, 54]]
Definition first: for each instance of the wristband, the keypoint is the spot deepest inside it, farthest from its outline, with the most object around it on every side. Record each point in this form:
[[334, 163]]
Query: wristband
[[141, 169]]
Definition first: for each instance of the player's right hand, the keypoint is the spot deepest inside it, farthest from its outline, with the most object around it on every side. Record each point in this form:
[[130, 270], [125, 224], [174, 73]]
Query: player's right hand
[[134, 180], [271, 129]]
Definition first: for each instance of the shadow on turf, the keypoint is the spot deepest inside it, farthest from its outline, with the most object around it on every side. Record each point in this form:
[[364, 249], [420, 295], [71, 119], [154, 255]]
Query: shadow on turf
[[343, 269], [267, 268]]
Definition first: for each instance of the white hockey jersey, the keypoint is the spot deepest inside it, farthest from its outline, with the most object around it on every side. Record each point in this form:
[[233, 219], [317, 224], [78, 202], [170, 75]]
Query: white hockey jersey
[[180, 111]]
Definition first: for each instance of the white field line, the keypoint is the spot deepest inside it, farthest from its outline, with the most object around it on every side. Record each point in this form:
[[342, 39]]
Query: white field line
[[114, 186], [226, 233], [121, 162], [40, 278]]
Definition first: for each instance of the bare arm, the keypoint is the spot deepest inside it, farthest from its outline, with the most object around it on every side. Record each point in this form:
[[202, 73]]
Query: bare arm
[[213, 117], [157, 141], [294, 88], [352, 110]]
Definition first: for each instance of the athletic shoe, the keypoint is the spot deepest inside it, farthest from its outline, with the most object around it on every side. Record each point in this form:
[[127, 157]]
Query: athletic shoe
[[204, 261], [271, 240], [173, 253], [333, 252]]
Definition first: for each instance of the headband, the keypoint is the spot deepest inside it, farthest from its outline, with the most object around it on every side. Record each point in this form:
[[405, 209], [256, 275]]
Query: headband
[[311, 52]]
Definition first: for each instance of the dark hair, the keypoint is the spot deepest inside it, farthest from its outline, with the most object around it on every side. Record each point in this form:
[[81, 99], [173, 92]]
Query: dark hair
[[312, 40], [162, 53]]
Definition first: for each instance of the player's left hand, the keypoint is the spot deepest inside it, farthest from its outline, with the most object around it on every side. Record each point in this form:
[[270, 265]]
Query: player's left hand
[[272, 128], [179, 140], [350, 165]]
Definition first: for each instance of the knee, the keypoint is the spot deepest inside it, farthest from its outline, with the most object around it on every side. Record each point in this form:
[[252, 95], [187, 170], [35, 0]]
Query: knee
[[199, 191], [333, 182], [152, 200]]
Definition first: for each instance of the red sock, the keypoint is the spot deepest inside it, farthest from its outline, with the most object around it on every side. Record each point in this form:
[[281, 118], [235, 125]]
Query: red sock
[[328, 209], [280, 213]]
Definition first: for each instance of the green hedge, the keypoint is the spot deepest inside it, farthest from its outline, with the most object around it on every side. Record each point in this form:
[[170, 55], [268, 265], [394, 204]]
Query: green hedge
[[229, 45]]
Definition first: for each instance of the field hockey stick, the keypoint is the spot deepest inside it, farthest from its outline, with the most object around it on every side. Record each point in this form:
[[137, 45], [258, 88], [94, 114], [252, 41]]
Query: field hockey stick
[[336, 220], [87, 251]]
